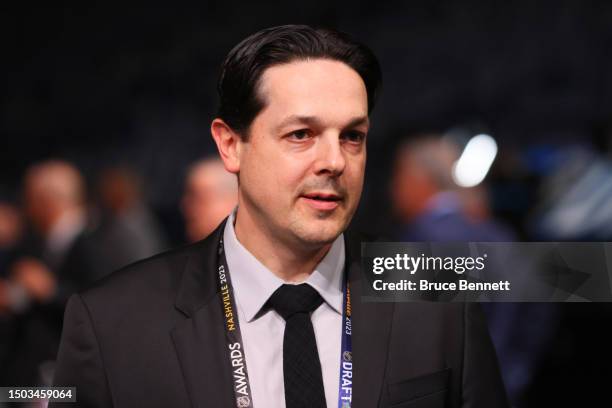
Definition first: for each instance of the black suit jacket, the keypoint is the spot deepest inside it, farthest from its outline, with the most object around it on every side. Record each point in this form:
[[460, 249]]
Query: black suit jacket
[[34, 335], [152, 335]]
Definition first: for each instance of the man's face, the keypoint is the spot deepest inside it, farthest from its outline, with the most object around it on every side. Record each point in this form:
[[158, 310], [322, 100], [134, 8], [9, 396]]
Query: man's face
[[301, 170]]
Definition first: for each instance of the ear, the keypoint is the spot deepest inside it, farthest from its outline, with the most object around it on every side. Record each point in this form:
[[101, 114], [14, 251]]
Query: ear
[[228, 143]]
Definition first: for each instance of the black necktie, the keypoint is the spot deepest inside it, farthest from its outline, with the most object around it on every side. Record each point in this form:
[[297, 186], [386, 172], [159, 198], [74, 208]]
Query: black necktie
[[301, 365]]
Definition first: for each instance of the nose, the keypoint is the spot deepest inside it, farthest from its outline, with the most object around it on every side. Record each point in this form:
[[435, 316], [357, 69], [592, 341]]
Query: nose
[[330, 156]]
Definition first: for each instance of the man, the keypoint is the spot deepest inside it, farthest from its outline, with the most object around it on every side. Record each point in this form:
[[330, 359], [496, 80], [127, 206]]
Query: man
[[211, 192], [433, 208], [175, 331], [127, 229], [53, 263], [430, 206]]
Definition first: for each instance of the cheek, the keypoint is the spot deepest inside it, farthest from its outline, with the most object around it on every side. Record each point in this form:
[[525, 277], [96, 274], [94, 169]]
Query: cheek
[[270, 176], [289, 175], [286, 171]]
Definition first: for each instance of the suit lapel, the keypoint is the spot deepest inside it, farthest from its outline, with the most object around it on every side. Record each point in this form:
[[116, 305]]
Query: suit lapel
[[372, 330], [203, 358], [199, 339]]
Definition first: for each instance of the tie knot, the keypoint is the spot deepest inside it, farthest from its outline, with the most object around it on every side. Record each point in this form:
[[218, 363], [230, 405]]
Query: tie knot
[[291, 299]]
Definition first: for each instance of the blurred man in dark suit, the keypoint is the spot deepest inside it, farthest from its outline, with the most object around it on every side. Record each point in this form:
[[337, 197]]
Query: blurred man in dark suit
[[429, 204], [434, 209], [127, 230], [54, 262], [266, 310]]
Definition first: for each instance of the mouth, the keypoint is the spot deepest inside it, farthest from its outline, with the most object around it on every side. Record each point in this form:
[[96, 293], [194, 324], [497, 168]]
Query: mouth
[[322, 201]]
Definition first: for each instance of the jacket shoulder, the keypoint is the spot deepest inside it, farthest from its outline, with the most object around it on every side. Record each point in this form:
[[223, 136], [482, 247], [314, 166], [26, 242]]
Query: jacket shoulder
[[155, 278]]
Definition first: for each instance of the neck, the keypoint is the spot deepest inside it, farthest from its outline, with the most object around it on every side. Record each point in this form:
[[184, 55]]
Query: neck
[[289, 262]]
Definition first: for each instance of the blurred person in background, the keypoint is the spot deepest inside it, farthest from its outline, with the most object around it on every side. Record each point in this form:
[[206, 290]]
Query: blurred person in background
[[11, 232], [127, 230], [210, 195], [430, 205], [433, 208], [55, 205], [53, 262]]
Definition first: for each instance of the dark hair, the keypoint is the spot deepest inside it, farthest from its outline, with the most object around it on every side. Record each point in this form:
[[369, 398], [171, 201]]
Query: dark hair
[[239, 102]]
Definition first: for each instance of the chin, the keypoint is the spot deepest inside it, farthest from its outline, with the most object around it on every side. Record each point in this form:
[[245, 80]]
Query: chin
[[319, 233]]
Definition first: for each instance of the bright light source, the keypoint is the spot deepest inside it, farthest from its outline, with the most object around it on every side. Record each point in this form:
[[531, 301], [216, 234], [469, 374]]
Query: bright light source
[[475, 161]]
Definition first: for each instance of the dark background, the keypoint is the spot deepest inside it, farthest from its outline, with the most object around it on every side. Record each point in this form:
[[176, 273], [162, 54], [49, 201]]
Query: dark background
[[104, 85]]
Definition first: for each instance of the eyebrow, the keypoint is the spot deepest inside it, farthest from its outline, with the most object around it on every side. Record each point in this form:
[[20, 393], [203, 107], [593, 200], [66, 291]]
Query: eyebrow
[[316, 122]]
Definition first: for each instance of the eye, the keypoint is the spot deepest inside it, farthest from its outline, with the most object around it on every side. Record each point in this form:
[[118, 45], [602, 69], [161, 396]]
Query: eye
[[354, 136], [301, 134]]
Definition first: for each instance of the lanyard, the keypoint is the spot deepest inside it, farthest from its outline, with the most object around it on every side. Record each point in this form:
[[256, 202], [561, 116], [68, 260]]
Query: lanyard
[[345, 392], [240, 377]]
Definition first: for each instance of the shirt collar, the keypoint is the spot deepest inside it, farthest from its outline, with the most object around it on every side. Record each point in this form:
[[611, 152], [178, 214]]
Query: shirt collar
[[65, 231], [254, 283]]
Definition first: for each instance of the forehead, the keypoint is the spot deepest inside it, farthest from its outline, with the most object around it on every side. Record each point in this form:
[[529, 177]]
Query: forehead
[[319, 87]]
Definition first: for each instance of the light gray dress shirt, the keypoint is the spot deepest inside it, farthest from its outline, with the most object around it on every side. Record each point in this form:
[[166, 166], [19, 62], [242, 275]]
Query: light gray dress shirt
[[262, 334]]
